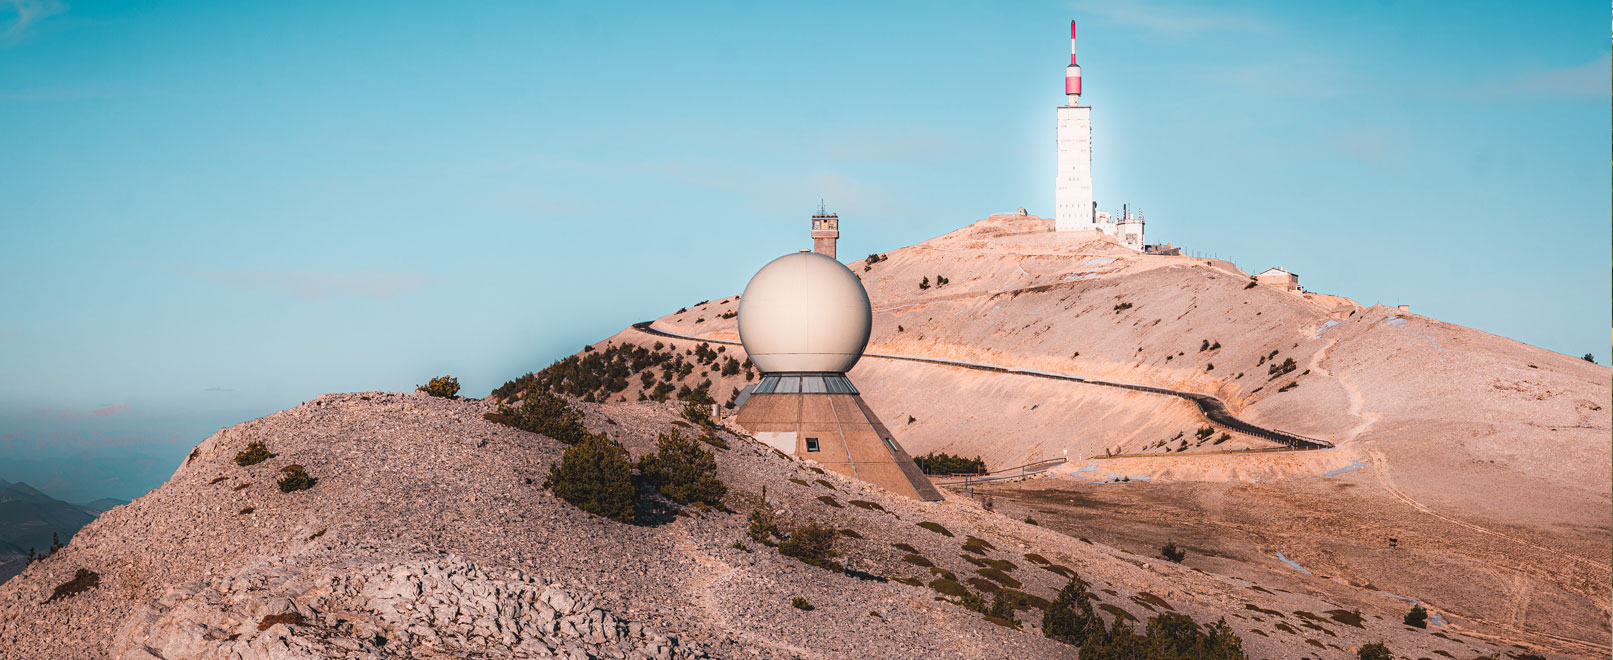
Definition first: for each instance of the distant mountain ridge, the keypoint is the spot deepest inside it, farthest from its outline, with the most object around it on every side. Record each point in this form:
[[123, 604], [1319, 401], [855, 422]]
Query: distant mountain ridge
[[29, 518]]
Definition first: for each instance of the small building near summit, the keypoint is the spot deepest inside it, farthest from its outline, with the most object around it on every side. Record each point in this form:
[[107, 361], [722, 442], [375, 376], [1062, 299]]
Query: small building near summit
[[1278, 278]]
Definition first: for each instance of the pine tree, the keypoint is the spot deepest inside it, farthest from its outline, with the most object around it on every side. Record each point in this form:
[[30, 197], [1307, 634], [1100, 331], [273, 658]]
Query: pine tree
[[1070, 618]]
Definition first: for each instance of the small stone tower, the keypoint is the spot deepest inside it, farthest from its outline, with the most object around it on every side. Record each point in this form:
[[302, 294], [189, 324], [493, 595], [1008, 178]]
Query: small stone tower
[[825, 231]]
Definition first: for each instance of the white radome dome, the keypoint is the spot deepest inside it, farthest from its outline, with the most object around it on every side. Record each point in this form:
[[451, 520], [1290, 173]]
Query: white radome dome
[[804, 312]]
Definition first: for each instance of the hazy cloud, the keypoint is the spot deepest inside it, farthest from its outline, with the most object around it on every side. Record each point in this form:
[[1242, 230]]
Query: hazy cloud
[[312, 284], [63, 414], [17, 15], [108, 411], [1590, 79], [1173, 19]]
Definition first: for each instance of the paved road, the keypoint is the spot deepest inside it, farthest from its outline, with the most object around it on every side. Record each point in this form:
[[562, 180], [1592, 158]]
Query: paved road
[[1212, 408]]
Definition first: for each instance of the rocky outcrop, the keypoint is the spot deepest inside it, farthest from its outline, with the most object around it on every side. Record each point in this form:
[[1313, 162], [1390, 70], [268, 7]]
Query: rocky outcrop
[[446, 606]]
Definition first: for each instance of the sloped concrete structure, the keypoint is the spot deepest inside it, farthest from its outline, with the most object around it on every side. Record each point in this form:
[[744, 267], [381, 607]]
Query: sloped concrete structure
[[835, 428], [804, 320]]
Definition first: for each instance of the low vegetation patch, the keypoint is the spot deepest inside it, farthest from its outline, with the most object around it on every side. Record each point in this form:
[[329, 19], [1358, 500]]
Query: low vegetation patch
[[943, 463], [812, 544], [289, 618], [762, 528], [1417, 617], [801, 604], [1166, 637], [1374, 651], [935, 527], [543, 413], [797, 481], [905, 548], [441, 386], [83, 580], [294, 478], [1122, 307], [948, 587], [1346, 617], [1070, 618], [865, 504], [682, 472], [1173, 553], [850, 533], [1000, 577], [830, 500], [918, 560], [256, 452], [595, 475]]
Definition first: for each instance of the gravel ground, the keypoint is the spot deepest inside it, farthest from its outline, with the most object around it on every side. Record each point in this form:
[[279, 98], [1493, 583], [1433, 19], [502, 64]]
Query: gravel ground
[[428, 528]]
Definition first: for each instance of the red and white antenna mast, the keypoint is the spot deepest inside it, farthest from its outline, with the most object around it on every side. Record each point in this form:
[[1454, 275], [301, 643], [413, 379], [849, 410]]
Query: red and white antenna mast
[[1072, 73]]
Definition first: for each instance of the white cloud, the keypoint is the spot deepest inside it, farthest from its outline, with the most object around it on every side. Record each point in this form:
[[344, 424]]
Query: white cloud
[[310, 284], [1590, 79], [23, 13]]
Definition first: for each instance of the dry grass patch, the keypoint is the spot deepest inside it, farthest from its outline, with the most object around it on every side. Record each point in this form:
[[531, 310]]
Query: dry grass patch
[[935, 527], [289, 618]]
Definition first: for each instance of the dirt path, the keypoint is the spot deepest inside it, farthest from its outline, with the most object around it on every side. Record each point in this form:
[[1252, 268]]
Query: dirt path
[[1378, 466], [704, 584]]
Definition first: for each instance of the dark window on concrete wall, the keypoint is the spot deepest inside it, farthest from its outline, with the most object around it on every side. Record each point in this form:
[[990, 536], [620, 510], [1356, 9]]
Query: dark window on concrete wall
[[812, 444]]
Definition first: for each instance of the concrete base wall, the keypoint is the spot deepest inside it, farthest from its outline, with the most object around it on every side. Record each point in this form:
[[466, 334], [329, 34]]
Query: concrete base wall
[[849, 436]]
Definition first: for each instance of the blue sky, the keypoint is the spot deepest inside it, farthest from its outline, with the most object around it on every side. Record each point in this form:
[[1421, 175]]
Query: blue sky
[[212, 211]]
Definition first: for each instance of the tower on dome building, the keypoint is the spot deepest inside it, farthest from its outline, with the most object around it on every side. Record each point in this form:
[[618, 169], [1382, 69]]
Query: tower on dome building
[[825, 231]]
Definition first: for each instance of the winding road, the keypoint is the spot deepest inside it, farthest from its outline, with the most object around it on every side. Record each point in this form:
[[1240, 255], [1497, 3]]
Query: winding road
[[1211, 407]]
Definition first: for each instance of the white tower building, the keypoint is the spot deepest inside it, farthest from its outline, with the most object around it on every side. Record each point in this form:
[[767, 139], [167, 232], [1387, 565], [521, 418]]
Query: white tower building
[[1072, 199]]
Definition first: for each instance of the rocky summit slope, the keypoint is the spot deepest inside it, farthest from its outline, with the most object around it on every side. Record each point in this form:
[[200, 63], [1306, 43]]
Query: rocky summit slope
[[1431, 421], [428, 533]]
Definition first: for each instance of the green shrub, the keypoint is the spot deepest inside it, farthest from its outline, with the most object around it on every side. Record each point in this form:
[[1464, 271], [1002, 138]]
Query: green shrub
[[801, 604], [925, 283], [762, 528], [594, 475], [1122, 307], [1031, 521], [943, 463], [682, 471], [1168, 637], [442, 386], [256, 452], [1002, 607], [1173, 553], [974, 602], [813, 544], [83, 580], [545, 414], [697, 413], [948, 587], [1374, 651], [1589, 358], [935, 527], [294, 479], [1417, 617], [1204, 432], [1251, 284], [1070, 617]]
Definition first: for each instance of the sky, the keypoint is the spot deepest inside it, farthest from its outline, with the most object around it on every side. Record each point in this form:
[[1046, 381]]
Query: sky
[[211, 211]]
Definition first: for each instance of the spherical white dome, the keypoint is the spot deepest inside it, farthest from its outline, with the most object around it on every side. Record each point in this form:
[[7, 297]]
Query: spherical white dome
[[804, 312]]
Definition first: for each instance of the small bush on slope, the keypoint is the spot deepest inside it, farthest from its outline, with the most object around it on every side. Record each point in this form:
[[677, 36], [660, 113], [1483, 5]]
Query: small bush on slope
[[1070, 618], [682, 471], [1374, 651], [594, 475], [943, 463], [256, 452], [812, 544], [1417, 617], [1173, 553], [543, 413], [1167, 637], [295, 478], [83, 580], [441, 386]]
